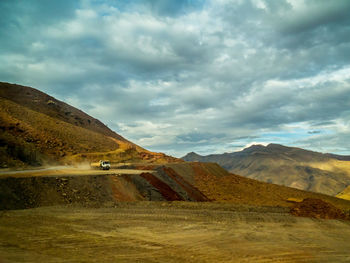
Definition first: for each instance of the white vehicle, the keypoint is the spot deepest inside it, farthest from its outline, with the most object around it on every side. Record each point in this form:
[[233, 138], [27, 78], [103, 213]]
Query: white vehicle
[[105, 165]]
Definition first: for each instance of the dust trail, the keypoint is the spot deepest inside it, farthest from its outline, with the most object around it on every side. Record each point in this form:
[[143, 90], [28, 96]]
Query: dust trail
[[78, 166], [82, 166], [60, 167]]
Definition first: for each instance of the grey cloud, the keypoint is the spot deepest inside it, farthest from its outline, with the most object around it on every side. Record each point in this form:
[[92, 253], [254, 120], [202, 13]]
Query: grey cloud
[[317, 14], [21, 20], [314, 132], [173, 8], [282, 105], [199, 137], [328, 143], [322, 123]]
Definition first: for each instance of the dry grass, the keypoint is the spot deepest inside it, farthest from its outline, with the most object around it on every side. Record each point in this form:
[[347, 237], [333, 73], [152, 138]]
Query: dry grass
[[345, 194], [332, 166], [49, 136]]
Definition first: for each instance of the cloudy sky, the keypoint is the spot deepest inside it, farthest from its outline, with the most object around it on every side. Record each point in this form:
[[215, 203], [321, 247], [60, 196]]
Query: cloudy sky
[[196, 75]]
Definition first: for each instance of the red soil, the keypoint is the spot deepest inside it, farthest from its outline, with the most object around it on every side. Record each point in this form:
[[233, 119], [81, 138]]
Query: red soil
[[145, 167], [192, 191], [124, 190], [168, 193]]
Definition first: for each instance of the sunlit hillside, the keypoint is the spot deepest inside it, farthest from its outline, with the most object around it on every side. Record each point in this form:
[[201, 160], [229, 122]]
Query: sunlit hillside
[[37, 129], [345, 194]]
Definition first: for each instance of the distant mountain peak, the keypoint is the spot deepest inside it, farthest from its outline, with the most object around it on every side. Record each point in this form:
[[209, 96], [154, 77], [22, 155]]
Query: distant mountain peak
[[254, 147], [277, 146], [271, 147], [192, 156]]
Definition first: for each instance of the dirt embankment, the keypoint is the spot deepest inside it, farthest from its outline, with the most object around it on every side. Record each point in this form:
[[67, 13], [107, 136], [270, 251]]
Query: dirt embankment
[[88, 190], [171, 182], [164, 189], [20, 193], [94, 188], [192, 192]]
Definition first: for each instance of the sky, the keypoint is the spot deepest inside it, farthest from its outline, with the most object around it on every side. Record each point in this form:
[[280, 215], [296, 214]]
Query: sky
[[190, 75]]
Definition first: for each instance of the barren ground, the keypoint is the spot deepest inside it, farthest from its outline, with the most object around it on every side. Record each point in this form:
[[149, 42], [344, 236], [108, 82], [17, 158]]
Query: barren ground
[[66, 171], [170, 232]]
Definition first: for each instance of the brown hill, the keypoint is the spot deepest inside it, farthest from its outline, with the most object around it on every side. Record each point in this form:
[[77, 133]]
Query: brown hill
[[289, 166], [37, 129]]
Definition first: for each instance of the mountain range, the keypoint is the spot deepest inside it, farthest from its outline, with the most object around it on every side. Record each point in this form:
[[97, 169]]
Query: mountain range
[[288, 166]]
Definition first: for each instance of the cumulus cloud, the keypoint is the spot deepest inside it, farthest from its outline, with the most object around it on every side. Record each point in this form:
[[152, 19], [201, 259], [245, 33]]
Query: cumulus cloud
[[178, 76]]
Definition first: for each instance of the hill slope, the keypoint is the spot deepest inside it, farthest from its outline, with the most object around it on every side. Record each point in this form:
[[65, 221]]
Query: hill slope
[[37, 129], [289, 166]]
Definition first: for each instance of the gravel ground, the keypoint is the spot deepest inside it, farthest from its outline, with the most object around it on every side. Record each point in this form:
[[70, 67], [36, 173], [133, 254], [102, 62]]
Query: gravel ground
[[170, 232]]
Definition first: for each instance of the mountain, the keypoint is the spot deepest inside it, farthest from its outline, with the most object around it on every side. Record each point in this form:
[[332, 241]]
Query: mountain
[[289, 166], [38, 129]]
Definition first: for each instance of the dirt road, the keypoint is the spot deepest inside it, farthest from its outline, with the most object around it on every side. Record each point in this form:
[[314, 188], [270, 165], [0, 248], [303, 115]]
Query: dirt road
[[170, 232], [67, 170]]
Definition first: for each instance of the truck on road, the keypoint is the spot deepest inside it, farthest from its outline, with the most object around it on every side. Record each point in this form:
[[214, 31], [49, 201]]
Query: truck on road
[[105, 165]]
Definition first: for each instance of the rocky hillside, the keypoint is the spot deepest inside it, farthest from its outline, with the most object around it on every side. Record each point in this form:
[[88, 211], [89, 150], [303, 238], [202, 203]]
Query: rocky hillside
[[37, 129], [289, 166]]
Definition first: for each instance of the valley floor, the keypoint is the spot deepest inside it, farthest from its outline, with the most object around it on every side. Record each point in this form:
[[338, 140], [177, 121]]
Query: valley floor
[[170, 232]]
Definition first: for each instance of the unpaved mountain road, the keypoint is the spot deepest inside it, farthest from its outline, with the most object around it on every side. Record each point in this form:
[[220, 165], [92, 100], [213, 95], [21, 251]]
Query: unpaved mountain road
[[67, 170], [170, 232]]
